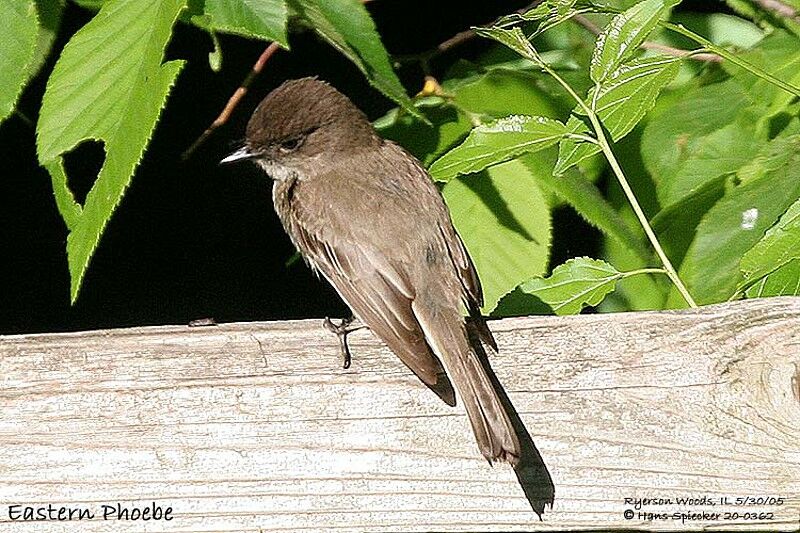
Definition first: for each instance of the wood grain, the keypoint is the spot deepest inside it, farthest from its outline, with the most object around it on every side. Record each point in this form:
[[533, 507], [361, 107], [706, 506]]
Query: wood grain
[[255, 427]]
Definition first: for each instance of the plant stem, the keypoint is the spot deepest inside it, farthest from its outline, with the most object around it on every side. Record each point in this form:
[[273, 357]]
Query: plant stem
[[733, 58], [623, 182], [25, 118], [643, 271], [620, 175], [567, 87]]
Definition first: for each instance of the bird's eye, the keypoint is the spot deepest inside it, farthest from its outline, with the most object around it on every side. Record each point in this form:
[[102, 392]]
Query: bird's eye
[[290, 145]]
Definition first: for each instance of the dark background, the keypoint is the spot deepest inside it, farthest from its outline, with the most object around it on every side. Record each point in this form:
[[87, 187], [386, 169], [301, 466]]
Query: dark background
[[191, 239]]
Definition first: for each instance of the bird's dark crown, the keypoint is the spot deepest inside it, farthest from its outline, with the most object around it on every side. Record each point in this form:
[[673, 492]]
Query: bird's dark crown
[[308, 111]]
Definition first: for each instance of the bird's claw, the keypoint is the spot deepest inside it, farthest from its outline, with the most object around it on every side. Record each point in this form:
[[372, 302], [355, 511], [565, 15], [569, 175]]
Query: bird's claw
[[342, 330]]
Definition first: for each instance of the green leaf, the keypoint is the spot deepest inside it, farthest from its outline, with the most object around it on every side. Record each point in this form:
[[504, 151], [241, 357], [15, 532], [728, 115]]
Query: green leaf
[[778, 54], [719, 28], [574, 285], [215, 56], [636, 293], [572, 151], [260, 19], [92, 5], [505, 223], [69, 209], [502, 92], [625, 97], [472, 92], [347, 26], [785, 281], [677, 223], [624, 34], [587, 200], [497, 142], [706, 134], [548, 15], [49, 12], [17, 48], [449, 126], [514, 39], [541, 12], [780, 245], [109, 84], [739, 220]]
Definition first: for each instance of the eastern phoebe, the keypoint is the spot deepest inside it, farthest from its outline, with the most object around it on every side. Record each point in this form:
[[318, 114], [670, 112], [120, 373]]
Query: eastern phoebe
[[366, 215]]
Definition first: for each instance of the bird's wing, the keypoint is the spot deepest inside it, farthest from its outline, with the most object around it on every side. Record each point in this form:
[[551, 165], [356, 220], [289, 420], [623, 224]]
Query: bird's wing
[[379, 294], [464, 266], [462, 262]]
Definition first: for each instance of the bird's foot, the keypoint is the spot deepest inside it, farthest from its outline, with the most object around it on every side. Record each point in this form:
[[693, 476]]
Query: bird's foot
[[342, 330]]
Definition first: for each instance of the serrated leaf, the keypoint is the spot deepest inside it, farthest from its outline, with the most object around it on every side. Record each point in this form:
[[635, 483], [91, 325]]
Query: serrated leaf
[[109, 84], [535, 14], [739, 220], [780, 245], [69, 209], [785, 281], [514, 39], [572, 151], [473, 91], [548, 15], [260, 19], [17, 48], [625, 97], [92, 5], [574, 285], [624, 34], [49, 13], [505, 223], [498, 142], [347, 26]]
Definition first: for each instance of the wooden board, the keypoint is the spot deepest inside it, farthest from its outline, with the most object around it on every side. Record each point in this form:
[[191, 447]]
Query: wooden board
[[256, 427]]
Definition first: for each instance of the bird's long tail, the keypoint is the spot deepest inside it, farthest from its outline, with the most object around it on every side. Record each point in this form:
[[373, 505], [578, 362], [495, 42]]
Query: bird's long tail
[[447, 335]]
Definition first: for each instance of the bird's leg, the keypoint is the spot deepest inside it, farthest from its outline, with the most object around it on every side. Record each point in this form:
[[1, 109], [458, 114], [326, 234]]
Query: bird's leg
[[342, 330]]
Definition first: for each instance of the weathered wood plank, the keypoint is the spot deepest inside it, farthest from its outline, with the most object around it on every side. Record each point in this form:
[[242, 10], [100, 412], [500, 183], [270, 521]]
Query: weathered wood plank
[[248, 427]]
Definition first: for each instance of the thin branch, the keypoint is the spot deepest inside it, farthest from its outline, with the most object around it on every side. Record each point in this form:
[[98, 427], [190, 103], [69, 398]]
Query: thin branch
[[649, 45], [733, 58], [234, 100], [780, 9], [456, 40], [24, 118]]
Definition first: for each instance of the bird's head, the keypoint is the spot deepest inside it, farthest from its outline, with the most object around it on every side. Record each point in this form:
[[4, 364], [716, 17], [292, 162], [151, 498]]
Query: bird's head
[[302, 125]]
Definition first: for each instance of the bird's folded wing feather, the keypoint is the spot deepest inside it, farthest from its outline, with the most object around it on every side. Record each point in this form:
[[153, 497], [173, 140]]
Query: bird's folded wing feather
[[378, 294]]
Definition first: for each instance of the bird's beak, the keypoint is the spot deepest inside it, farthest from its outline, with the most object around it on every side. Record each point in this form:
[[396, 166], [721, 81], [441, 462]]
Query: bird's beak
[[241, 154]]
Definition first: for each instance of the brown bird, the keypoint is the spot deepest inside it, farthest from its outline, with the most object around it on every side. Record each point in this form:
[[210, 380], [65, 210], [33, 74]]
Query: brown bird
[[366, 215]]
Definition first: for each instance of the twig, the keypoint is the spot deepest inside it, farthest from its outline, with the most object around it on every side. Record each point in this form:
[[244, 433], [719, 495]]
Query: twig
[[454, 41], [781, 9], [24, 118], [237, 96], [649, 45], [234, 100], [733, 58]]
